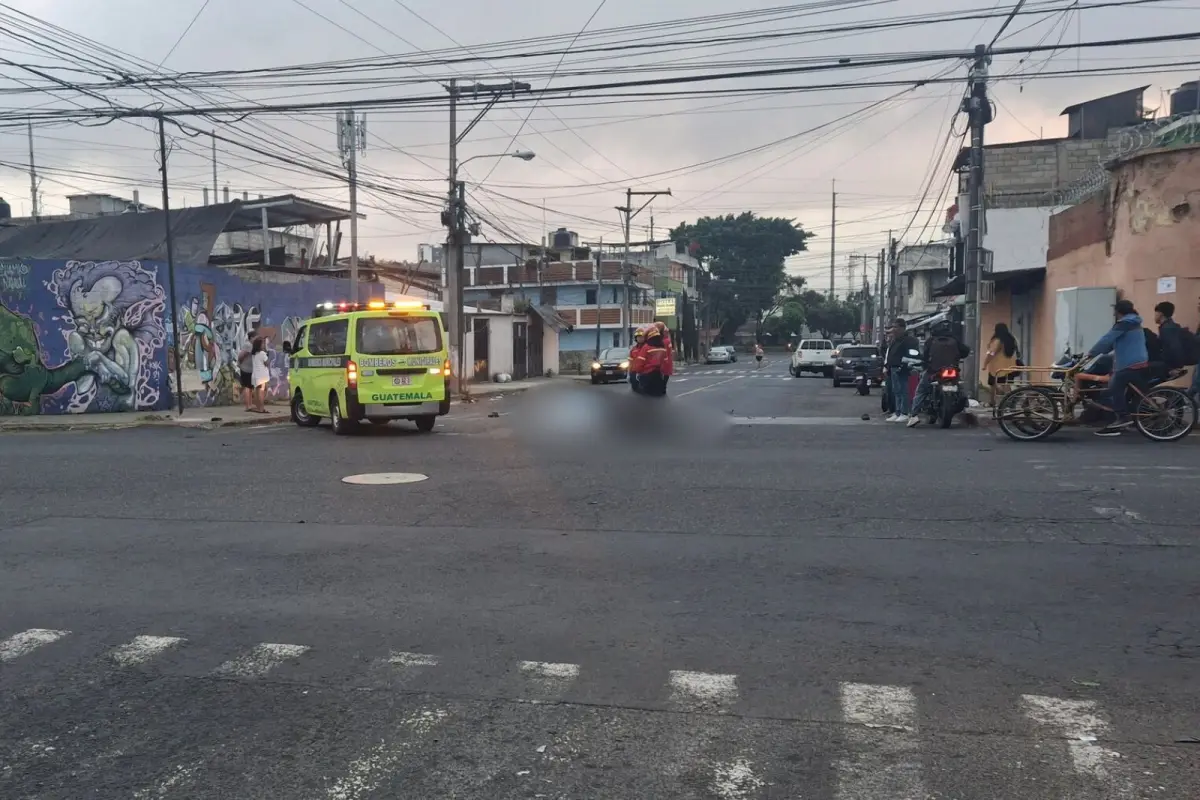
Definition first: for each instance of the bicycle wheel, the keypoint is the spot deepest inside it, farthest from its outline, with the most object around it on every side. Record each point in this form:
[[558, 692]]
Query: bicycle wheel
[[1029, 413], [1165, 414]]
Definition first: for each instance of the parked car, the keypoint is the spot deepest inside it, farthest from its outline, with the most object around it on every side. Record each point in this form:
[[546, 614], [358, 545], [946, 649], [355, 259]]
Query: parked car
[[612, 365], [812, 355], [720, 354], [850, 357]]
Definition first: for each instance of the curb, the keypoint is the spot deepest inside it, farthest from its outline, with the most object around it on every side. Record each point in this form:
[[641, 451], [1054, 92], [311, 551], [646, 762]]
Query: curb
[[147, 421]]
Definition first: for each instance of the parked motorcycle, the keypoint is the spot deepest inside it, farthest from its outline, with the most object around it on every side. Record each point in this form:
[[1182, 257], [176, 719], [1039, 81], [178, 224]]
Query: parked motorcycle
[[862, 383]]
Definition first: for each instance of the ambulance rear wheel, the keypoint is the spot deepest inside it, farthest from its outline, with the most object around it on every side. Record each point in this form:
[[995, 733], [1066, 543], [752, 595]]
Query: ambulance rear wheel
[[341, 425], [300, 414], [425, 424]]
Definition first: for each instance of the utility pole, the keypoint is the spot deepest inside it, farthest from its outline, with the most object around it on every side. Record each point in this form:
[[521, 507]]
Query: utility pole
[[352, 140], [626, 267], [866, 295], [33, 180], [893, 275], [454, 218], [832, 237], [170, 240], [879, 309], [214, 164], [979, 113], [599, 289]]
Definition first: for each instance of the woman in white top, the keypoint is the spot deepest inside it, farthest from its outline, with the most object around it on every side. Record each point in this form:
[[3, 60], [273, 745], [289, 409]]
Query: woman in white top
[[260, 375]]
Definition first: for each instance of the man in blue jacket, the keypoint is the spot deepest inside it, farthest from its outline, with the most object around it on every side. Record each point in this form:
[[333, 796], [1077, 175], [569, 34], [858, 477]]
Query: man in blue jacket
[[1127, 342]]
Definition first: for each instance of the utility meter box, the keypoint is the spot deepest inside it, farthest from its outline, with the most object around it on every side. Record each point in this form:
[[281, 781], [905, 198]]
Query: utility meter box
[[1082, 314]]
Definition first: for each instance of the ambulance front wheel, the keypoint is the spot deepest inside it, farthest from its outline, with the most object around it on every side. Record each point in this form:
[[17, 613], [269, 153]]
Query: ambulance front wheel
[[300, 414]]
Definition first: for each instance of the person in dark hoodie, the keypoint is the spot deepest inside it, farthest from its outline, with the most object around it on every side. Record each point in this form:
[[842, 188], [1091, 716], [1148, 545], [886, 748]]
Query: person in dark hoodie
[[1127, 342], [897, 371]]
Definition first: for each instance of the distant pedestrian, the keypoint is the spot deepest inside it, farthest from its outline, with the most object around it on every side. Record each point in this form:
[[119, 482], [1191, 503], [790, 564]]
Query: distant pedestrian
[[245, 365], [758, 354], [260, 375]]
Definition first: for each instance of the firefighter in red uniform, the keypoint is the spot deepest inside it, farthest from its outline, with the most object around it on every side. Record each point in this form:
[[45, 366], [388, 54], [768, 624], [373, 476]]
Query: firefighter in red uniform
[[637, 359], [657, 363]]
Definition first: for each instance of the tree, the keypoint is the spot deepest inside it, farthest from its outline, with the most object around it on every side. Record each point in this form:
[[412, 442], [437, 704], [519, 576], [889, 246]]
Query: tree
[[829, 316], [787, 320], [745, 254]]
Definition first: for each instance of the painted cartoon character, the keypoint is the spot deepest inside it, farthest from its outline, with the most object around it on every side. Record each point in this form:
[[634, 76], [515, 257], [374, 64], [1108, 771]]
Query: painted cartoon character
[[23, 376], [205, 352], [115, 309]]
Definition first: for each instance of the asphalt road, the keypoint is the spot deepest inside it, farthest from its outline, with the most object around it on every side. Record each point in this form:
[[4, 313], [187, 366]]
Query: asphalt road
[[774, 599]]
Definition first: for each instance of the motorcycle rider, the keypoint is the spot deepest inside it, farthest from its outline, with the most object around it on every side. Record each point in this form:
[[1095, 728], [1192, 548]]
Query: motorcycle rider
[[943, 350]]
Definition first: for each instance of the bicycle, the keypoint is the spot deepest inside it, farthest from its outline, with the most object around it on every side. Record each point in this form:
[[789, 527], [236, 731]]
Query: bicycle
[[1032, 412]]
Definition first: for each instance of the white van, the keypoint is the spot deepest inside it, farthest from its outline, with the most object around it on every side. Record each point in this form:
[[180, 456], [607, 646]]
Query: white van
[[812, 355]]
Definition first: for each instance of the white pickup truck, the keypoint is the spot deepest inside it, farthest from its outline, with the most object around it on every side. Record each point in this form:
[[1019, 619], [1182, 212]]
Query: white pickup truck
[[812, 355]]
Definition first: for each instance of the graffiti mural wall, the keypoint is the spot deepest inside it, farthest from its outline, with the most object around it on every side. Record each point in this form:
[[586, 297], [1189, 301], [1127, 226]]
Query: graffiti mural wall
[[95, 336]]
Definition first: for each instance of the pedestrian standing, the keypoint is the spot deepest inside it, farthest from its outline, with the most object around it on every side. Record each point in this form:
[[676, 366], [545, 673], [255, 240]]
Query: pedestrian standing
[[245, 365], [260, 375], [898, 371]]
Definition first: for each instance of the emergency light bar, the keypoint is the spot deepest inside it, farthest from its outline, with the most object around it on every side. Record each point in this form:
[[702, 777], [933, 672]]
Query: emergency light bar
[[329, 307]]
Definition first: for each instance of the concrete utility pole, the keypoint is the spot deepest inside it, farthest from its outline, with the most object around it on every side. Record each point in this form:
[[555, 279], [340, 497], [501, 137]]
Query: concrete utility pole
[[170, 241], [893, 295], [979, 113], [832, 237], [599, 289], [455, 217], [352, 140], [213, 134], [626, 267], [880, 311], [33, 179]]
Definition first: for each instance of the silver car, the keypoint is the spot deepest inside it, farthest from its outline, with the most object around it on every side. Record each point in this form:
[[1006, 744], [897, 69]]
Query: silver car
[[720, 354]]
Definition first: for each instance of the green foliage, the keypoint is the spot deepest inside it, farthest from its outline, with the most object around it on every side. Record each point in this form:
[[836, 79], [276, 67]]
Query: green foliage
[[830, 317], [745, 254]]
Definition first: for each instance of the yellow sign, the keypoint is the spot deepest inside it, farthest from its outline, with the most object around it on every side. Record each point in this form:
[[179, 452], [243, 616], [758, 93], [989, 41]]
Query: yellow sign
[[664, 307]]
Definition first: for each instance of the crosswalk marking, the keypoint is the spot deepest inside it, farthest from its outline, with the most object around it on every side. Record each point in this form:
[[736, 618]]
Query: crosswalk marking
[[142, 649], [550, 679], [409, 660], [368, 772], [260, 660], [885, 764], [1080, 723], [26, 642], [702, 691]]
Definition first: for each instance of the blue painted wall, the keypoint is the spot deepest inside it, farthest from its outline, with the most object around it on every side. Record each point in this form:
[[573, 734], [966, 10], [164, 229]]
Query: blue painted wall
[[84, 336]]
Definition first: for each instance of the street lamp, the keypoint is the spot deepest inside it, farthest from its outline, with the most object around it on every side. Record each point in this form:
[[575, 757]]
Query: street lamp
[[524, 155]]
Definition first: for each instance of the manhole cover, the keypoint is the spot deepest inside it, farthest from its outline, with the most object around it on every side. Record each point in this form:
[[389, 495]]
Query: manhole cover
[[385, 478]]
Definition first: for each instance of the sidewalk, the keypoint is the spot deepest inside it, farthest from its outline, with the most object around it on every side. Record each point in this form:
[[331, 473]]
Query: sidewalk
[[227, 416]]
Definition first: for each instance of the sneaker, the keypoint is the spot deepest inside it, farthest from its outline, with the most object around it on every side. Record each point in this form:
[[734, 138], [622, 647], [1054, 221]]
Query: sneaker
[[902, 418], [1115, 428], [914, 421], [892, 418]]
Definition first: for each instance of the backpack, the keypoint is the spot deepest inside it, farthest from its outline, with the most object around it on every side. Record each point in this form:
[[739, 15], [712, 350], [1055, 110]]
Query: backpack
[[1189, 347]]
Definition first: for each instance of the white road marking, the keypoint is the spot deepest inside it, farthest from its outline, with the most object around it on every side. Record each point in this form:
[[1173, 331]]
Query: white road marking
[[735, 780], [1081, 724], [366, 774], [1115, 513], [260, 660], [26, 642], [548, 678], [796, 420], [703, 691], [705, 388], [384, 478], [882, 724], [409, 660], [182, 774], [142, 649]]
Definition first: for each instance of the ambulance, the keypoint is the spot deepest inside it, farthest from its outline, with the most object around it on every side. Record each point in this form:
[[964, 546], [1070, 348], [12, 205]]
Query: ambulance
[[373, 361]]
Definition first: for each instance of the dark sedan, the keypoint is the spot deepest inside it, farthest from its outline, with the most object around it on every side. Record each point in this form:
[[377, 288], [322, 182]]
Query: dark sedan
[[849, 357], [612, 365]]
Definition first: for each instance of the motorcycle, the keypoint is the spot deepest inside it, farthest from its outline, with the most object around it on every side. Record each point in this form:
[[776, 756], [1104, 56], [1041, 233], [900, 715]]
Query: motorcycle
[[947, 399], [862, 383]]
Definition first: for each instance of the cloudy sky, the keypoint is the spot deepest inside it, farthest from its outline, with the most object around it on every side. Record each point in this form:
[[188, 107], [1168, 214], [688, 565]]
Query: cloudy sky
[[722, 149]]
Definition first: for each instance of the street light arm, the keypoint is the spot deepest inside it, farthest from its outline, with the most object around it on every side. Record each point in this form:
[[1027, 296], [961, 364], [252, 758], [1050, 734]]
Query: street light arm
[[524, 155]]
